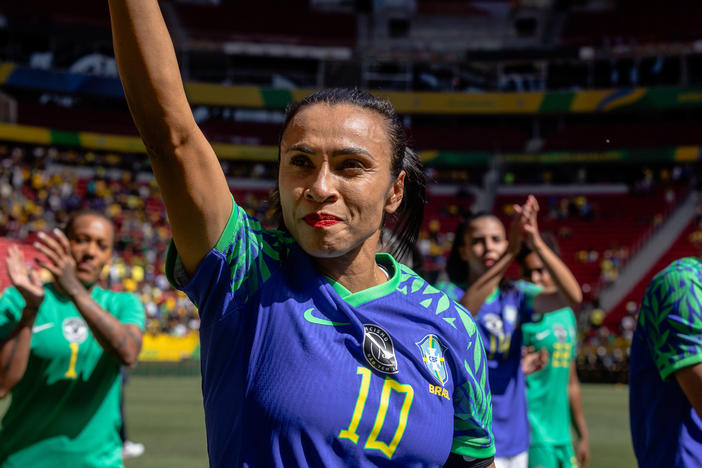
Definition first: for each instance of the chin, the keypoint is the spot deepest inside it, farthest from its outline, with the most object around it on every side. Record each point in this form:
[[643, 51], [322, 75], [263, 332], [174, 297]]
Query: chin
[[86, 279], [321, 251]]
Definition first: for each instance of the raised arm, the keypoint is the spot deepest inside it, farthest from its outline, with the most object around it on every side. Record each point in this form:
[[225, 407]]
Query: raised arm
[[14, 349], [568, 292], [191, 180]]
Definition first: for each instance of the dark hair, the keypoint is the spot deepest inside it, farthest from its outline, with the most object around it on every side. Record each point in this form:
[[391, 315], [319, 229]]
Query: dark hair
[[73, 216], [456, 268], [407, 220], [550, 241]]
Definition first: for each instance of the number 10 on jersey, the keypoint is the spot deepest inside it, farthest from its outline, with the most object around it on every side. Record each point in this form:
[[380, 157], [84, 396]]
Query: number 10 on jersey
[[388, 387]]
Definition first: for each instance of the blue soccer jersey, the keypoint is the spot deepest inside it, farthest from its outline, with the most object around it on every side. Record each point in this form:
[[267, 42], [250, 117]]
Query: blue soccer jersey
[[499, 321], [665, 429], [298, 371]]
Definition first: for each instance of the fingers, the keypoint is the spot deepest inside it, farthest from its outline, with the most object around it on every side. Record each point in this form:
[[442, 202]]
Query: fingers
[[48, 253], [14, 264], [56, 249], [62, 239], [53, 243], [53, 269]]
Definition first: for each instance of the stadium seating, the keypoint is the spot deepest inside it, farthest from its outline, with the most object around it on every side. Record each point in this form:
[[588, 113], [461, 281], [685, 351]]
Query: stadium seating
[[688, 244]]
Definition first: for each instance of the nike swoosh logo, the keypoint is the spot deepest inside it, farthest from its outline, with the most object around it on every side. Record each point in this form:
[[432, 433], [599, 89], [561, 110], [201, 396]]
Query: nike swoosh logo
[[38, 328], [542, 335], [320, 321]]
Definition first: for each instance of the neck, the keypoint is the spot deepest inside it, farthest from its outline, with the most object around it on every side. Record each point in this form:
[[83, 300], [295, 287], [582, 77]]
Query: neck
[[355, 270]]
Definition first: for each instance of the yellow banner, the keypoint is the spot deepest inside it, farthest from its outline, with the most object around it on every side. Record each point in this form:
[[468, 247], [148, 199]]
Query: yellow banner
[[168, 348]]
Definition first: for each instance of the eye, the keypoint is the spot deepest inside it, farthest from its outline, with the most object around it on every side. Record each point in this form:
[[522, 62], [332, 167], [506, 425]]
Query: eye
[[301, 160], [351, 164]]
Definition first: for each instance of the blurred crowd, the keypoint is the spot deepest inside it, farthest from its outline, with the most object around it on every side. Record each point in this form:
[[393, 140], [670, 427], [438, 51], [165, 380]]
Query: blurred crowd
[[39, 186]]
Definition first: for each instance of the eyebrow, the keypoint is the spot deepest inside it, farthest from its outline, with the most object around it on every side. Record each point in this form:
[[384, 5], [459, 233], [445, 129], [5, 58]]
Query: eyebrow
[[339, 152]]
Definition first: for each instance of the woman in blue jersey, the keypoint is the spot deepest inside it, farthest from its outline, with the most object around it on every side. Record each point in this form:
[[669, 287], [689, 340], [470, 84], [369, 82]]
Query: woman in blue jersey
[[316, 351], [479, 258]]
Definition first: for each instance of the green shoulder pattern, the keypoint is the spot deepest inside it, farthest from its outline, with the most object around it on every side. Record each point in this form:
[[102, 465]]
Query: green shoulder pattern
[[671, 315]]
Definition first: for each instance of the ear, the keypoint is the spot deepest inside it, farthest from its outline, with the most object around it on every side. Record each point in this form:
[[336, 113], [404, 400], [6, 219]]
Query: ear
[[395, 193]]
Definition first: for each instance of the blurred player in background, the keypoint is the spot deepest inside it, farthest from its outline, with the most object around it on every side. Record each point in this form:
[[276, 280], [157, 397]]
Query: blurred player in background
[[305, 332], [61, 348], [665, 374], [476, 267], [553, 393]]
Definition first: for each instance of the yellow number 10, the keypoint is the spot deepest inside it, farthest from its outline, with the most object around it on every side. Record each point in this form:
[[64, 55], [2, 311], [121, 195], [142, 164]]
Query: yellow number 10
[[388, 387], [71, 372]]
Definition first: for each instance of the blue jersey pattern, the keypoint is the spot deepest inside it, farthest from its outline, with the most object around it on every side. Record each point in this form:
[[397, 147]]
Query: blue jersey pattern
[[665, 429], [286, 375], [499, 321]]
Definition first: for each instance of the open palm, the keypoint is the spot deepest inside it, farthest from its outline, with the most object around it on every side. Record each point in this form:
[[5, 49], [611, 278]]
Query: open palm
[[26, 280]]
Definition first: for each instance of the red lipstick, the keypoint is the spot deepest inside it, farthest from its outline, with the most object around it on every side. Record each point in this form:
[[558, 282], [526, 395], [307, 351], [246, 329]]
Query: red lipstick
[[320, 220]]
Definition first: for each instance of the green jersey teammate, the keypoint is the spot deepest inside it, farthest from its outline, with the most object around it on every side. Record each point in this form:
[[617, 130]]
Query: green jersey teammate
[[553, 393], [61, 348]]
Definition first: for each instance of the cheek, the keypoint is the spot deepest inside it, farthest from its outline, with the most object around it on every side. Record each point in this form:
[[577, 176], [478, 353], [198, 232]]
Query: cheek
[[477, 250]]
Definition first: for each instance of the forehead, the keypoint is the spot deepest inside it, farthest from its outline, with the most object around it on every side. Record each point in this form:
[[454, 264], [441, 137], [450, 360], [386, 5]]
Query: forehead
[[337, 125], [485, 226], [95, 226]]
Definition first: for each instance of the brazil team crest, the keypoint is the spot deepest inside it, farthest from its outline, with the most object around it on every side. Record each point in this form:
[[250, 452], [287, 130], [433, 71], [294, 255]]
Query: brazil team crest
[[433, 357], [379, 350]]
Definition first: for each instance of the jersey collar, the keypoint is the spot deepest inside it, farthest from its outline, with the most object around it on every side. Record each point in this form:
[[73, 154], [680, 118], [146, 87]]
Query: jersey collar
[[383, 289]]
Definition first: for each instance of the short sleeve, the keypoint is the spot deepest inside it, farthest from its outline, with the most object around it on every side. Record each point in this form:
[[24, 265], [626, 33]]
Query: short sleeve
[[671, 317], [130, 309], [234, 270], [472, 428], [11, 305], [527, 291]]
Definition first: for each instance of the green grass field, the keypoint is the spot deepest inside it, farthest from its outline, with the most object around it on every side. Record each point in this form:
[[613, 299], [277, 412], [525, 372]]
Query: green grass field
[[165, 414]]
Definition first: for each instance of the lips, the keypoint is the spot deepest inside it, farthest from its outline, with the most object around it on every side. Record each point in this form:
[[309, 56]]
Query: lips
[[320, 220], [85, 267]]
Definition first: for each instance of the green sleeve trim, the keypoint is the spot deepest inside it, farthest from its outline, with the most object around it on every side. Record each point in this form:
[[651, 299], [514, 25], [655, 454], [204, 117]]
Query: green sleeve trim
[[681, 364], [459, 447], [361, 297], [233, 225], [174, 269]]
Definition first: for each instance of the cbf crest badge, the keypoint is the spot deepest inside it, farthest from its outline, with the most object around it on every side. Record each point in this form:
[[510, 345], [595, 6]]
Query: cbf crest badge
[[379, 350], [74, 330], [433, 357]]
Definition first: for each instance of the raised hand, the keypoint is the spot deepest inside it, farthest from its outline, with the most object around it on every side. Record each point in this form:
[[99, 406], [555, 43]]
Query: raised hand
[[25, 279], [527, 215], [516, 235], [61, 263]]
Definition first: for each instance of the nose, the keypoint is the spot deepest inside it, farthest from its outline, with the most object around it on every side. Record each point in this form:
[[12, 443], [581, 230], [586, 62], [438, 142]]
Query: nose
[[91, 249], [535, 277], [321, 188]]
